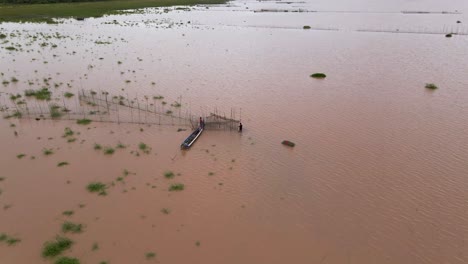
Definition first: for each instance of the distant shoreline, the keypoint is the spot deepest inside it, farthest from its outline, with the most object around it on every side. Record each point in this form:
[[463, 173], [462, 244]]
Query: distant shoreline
[[46, 12]]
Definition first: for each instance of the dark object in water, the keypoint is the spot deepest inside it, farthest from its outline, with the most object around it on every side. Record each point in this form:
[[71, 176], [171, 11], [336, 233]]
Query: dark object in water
[[448, 35], [318, 75], [80, 18], [458, 21], [181, 129], [191, 139], [288, 143], [37, 119]]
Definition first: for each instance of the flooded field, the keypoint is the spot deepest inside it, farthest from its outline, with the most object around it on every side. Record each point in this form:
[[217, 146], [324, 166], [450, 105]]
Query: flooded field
[[378, 173]]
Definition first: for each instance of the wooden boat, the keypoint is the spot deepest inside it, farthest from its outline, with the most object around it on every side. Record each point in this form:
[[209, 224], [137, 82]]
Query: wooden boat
[[191, 139]]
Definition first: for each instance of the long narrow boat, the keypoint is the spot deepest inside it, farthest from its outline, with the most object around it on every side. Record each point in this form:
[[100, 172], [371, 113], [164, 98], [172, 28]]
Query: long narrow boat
[[191, 139]]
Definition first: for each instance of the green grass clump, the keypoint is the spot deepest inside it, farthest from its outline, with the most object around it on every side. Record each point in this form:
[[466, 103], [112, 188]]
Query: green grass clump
[[158, 97], [169, 174], [150, 255], [20, 156], [109, 151], [10, 241], [42, 94], [49, 9], [98, 187], [68, 95], [68, 132], [68, 213], [318, 75], [97, 146], [56, 247], [67, 260], [55, 111], [431, 86], [61, 164], [47, 152], [10, 48], [120, 146], [69, 227], [177, 187], [83, 121], [143, 147], [95, 246]]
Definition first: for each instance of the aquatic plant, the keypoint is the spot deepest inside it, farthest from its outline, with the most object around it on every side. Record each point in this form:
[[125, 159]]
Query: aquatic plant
[[54, 111], [150, 255], [61, 164], [158, 97], [143, 147], [10, 241], [120, 146], [108, 151], [67, 260], [68, 95], [97, 146], [169, 174], [68, 213], [20, 156], [95, 246], [41, 94], [431, 86], [288, 143], [318, 75], [165, 211], [56, 247], [83, 121], [69, 227], [97, 187], [47, 152], [68, 132], [177, 187], [306, 27]]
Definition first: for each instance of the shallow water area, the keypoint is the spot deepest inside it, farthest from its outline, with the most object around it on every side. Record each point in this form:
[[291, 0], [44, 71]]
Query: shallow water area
[[377, 175]]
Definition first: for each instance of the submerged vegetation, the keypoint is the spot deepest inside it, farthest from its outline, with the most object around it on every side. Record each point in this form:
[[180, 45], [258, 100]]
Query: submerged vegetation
[[169, 174], [69, 227], [49, 9], [83, 121], [97, 187], [56, 247], [318, 75], [431, 86], [177, 187], [41, 94], [67, 260], [9, 240]]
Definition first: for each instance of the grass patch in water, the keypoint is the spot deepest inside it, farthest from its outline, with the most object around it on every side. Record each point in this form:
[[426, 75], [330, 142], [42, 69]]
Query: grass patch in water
[[68, 213], [69, 227], [431, 86], [47, 152], [56, 247], [177, 187], [97, 187], [68, 95], [109, 151], [67, 260], [169, 174], [61, 164], [83, 121], [20, 156], [41, 94], [45, 11], [318, 75], [150, 255], [97, 146]]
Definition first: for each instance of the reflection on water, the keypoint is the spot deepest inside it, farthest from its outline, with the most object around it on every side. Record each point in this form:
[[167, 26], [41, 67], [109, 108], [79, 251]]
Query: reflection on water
[[378, 174]]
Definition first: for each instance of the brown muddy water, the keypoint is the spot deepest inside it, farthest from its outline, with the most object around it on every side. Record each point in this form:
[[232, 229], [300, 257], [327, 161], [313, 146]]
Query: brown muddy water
[[378, 174]]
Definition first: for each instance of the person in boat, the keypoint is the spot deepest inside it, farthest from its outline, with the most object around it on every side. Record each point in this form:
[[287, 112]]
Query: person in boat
[[202, 123], [240, 126]]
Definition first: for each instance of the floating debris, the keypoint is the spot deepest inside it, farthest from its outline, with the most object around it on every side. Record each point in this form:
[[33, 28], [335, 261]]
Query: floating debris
[[288, 143]]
